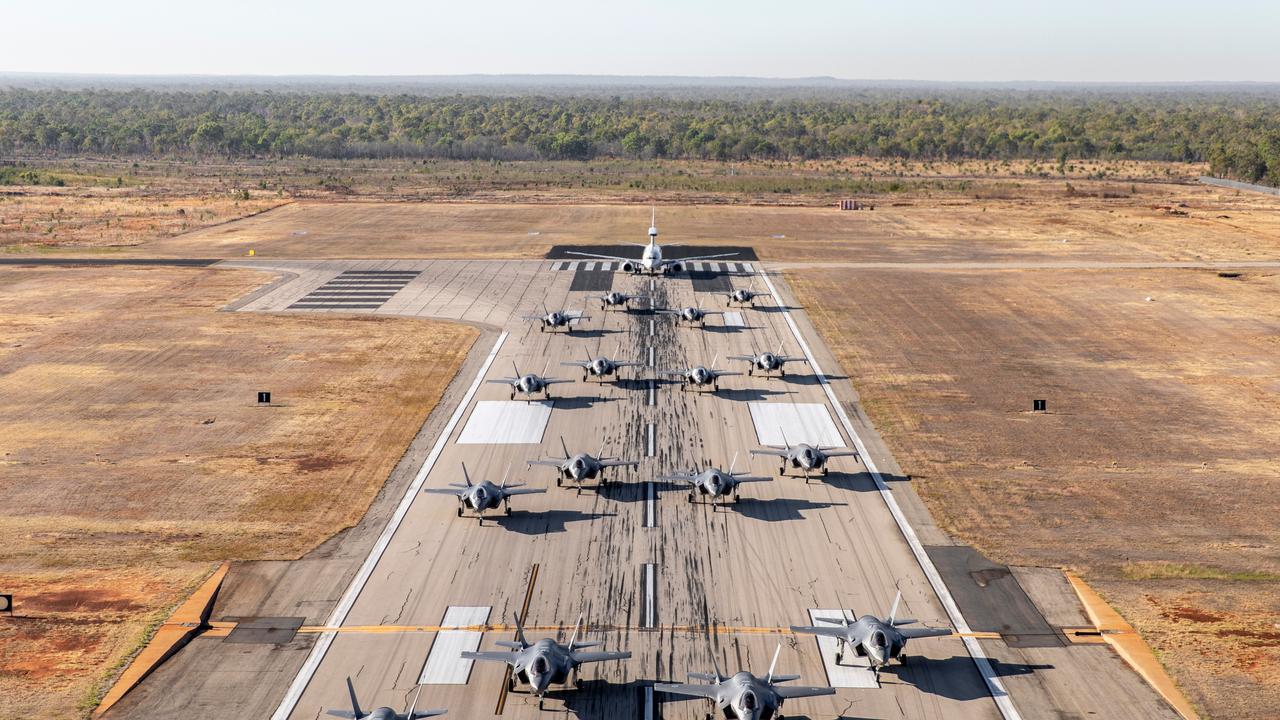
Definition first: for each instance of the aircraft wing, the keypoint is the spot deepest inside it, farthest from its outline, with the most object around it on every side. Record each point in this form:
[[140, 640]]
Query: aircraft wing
[[839, 453], [576, 363], [751, 478], [491, 656], [924, 632], [549, 463], [780, 452], [835, 632], [711, 692], [602, 257], [791, 358], [501, 381], [586, 657], [723, 373], [441, 491], [748, 358], [676, 478], [627, 363], [523, 491], [673, 373], [418, 714], [618, 463], [669, 261], [786, 693], [553, 381], [340, 713]]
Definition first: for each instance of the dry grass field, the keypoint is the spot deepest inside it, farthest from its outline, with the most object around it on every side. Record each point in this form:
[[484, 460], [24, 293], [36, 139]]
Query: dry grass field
[[100, 219], [1154, 473], [135, 458]]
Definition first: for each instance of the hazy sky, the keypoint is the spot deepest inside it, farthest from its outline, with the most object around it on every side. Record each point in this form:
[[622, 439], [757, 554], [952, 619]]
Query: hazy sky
[[1115, 40]]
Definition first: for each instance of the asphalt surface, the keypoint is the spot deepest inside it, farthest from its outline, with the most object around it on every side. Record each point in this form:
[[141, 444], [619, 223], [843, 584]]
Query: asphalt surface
[[743, 571]]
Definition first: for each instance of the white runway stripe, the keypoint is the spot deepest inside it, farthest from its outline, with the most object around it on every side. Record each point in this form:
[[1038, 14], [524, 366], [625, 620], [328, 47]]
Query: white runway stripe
[[444, 666]]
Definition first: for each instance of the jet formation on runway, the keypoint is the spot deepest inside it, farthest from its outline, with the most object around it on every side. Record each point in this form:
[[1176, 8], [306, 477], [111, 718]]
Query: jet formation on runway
[[538, 665]]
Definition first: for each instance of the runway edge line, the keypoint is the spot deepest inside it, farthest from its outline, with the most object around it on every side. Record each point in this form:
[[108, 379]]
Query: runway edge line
[[998, 693], [343, 608]]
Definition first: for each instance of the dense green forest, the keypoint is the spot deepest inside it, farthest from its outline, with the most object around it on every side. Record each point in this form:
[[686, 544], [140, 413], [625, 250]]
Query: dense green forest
[[1237, 133]]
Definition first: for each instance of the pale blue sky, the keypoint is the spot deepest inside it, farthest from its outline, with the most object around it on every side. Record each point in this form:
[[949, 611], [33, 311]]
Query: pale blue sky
[[1140, 40]]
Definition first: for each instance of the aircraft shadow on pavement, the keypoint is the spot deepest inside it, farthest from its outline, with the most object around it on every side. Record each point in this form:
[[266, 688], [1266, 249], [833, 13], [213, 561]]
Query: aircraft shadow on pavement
[[580, 402], [778, 308], [591, 332], [632, 491], [854, 482], [778, 509], [599, 699], [729, 329], [751, 394], [541, 523], [804, 377], [962, 681]]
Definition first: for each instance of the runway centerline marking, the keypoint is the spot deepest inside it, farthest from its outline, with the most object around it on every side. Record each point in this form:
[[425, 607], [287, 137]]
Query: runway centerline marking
[[1003, 702], [651, 326], [651, 440], [343, 608], [650, 509], [653, 393], [651, 355], [650, 572]]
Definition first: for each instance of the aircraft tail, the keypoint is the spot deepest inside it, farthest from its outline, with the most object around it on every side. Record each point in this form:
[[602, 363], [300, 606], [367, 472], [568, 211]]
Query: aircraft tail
[[894, 610], [355, 704], [520, 631], [573, 639]]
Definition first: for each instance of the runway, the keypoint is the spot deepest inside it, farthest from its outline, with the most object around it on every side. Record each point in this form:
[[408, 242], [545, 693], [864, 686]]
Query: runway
[[684, 587]]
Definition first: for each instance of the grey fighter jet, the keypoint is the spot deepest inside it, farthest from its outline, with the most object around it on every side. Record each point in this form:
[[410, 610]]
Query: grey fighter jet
[[742, 296], [699, 377], [690, 316], [544, 662], [582, 466], [600, 367], [615, 299], [483, 495], [714, 483], [877, 640], [803, 456], [383, 713], [528, 384], [744, 696], [767, 362], [552, 319]]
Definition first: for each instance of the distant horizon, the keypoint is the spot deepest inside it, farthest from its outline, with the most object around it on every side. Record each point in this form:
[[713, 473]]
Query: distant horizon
[[989, 41]]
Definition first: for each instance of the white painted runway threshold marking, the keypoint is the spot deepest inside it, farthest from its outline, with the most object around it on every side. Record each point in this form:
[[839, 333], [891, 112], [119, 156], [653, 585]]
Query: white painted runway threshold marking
[[650, 506], [853, 671], [503, 422], [733, 319], [343, 608], [651, 439], [801, 422], [444, 666], [994, 685], [650, 595]]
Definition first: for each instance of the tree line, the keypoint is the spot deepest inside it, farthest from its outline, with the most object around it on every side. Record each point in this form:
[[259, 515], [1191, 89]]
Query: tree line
[[1237, 133]]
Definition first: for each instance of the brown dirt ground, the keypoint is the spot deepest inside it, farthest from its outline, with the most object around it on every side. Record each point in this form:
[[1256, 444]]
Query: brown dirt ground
[[135, 457], [1154, 474], [1028, 220], [103, 219]]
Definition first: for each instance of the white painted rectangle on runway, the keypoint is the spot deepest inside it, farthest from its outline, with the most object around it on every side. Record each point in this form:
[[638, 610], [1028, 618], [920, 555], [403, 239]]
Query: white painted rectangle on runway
[[444, 666], [649, 616], [502, 422], [733, 318], [801, 422], [853, 671]]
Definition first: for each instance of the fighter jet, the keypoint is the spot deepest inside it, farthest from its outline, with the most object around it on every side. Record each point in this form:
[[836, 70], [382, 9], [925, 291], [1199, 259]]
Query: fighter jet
[[544, 662], [557, 318], [528, 385], [600, 367], [484, 495], [767, 361], [617, 299], [689, 315], [742, 296], [713, 482], [804, 456], [877, 640], [744, 696], [383, 713], [651, 260], [699, 376], [582, 466]]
